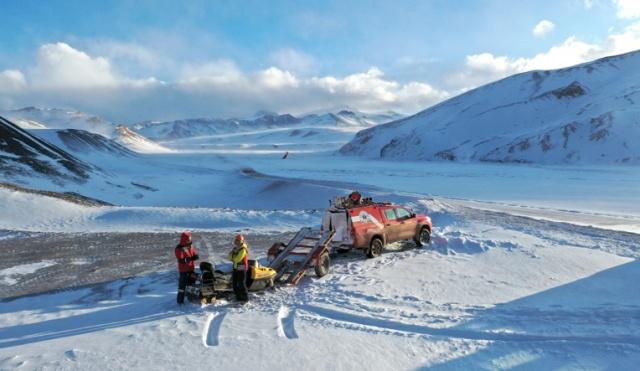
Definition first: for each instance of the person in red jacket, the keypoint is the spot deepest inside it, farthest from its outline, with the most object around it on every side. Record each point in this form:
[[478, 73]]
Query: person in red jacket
[[186, 255]]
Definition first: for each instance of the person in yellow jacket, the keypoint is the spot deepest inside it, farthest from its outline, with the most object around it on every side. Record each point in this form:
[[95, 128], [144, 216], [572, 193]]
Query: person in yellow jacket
[[239, 256]]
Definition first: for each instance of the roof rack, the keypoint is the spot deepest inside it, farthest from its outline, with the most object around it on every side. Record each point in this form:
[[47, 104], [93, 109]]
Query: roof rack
[[347, 202]]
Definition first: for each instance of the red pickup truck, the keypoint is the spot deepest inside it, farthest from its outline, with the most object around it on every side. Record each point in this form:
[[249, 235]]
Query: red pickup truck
[[363, 224]]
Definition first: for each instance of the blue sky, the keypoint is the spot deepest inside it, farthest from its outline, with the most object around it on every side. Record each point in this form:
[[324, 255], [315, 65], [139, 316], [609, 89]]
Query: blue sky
[[234, 57]]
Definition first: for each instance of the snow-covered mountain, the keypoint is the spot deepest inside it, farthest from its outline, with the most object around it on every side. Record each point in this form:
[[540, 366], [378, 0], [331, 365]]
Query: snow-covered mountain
[[70, 122], [57, 118], [582, 114], [351, 118], [83, 143], [137, 142], [24, 154], [187, 128]]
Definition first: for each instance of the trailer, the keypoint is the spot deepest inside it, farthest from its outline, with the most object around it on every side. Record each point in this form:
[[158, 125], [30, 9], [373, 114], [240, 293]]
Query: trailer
[[309, 248], [288, 263]]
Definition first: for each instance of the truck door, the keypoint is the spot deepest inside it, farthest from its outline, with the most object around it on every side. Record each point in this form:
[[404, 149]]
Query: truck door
[[407, 224], [391, 225]]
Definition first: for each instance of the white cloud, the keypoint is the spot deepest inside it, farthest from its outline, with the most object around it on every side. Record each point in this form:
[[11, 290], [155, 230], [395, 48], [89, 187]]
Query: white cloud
[[130, 54], [485, 67], [628, 8], [274, 78], [61, 66], [370, 83], [293, 60], [12, 81], [372, 91], [222, 71], [543, 28], [64, 76]]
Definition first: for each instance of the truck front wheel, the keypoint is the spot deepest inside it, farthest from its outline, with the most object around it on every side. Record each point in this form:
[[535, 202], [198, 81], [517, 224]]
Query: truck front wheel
[[375, 247], [423, 237]]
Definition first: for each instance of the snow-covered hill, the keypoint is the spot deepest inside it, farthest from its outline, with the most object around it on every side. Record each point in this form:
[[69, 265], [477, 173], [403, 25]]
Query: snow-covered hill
[[82, 143], [137, 142], [589, 113], [262, 121], [25, 155], [57, 118], [67, 122]]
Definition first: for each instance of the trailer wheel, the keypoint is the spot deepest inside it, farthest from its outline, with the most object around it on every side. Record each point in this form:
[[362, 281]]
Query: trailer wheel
[[322, 268], [375, 248], [423, 237], [275, 250]]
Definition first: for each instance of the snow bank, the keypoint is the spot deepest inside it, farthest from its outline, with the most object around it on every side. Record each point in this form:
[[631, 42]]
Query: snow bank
[[9, 276], [28, 212]]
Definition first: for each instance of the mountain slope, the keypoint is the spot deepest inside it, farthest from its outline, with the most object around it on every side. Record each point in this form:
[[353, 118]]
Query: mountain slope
[[57, 118], [82, 129], [82, 142], [23, 154], [137, 142], [583, 114], [197, 127]]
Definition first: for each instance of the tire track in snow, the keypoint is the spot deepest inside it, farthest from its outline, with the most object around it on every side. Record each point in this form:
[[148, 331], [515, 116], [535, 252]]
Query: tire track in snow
[[286, 323], [459, 333], [211, 333]]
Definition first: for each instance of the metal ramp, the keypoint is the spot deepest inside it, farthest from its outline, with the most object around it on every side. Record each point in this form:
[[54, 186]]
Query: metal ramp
[[300, 254]]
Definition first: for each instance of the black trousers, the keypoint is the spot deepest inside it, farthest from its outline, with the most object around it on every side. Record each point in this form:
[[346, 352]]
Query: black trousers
[[183, 281], [240, 285]]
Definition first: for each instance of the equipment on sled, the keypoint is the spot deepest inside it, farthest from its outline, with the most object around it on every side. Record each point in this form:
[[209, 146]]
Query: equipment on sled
[[212, 283]]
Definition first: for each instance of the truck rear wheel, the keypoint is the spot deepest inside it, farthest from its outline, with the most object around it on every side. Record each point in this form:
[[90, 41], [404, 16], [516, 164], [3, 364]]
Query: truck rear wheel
[[375, 247], [322, 267], [423, 237]]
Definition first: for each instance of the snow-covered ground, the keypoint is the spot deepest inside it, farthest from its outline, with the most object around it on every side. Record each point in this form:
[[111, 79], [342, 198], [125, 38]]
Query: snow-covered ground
[[9, 276], [35, 213], [493, 291], [530, 267]]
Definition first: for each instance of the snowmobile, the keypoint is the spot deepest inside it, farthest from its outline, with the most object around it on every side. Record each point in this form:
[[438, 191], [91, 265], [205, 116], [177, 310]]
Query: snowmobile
[[213, 282]]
